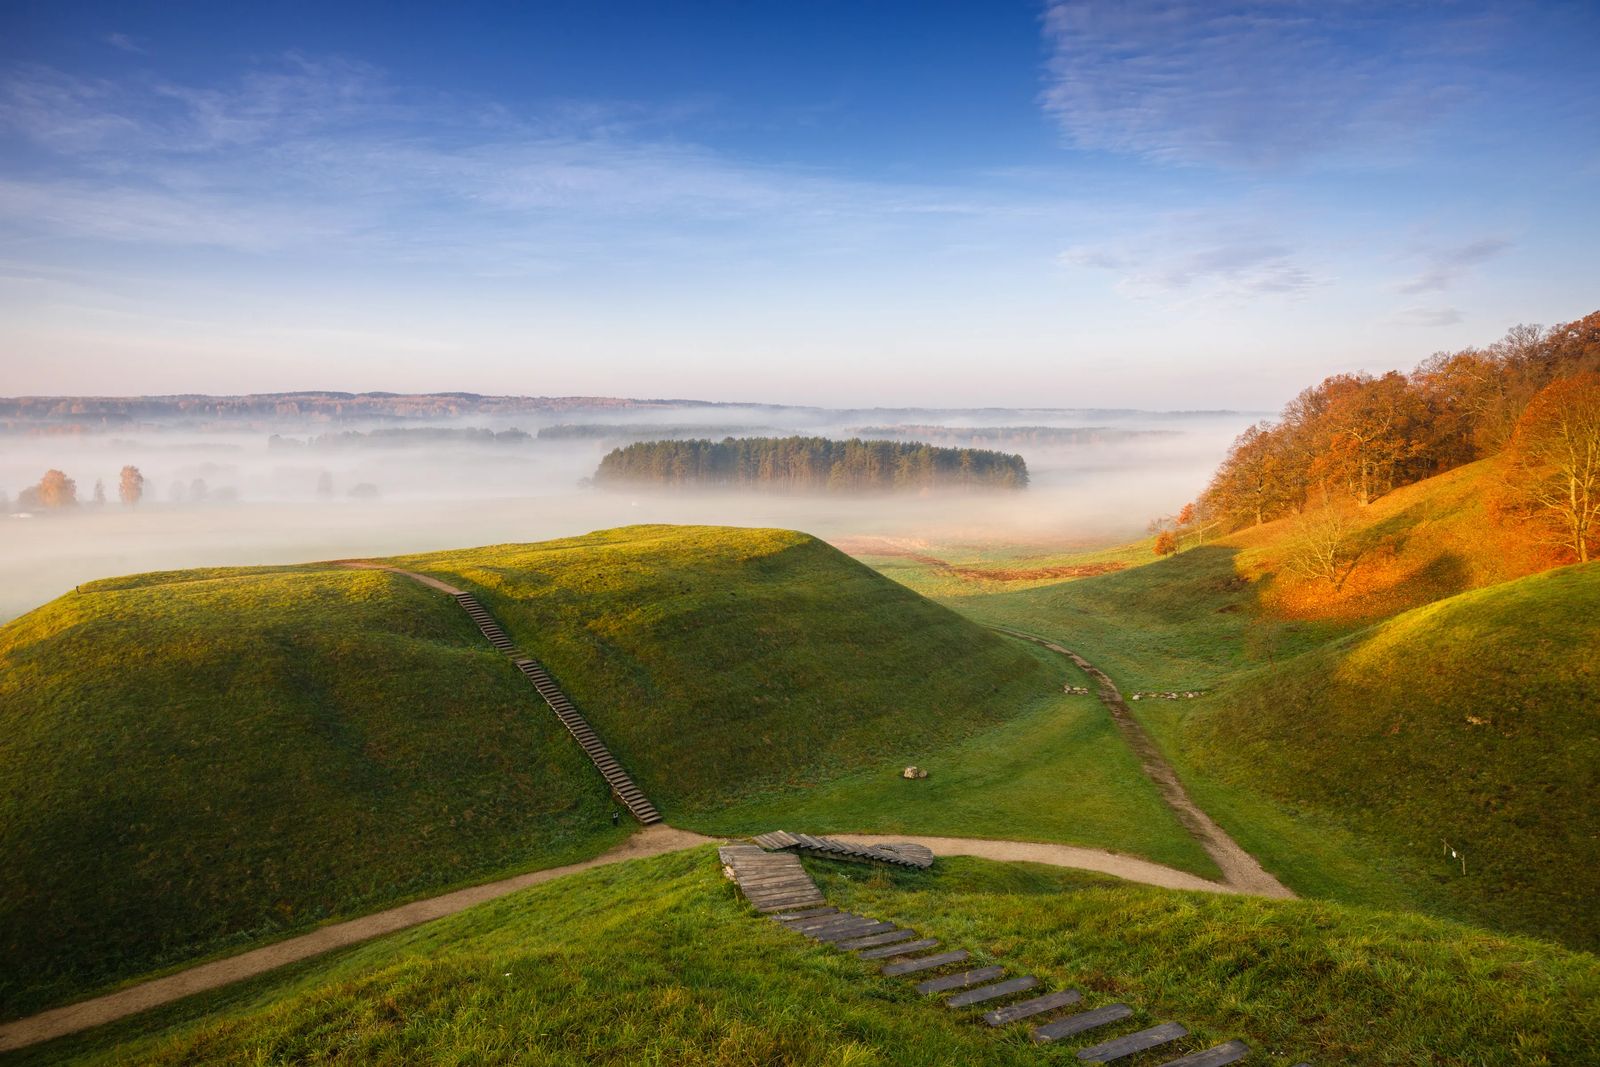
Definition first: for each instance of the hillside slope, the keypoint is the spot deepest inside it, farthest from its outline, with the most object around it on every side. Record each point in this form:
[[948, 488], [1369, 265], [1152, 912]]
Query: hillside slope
[[1472, 723], [1234, 603], [720, 662], [658, 961], [195, 759]]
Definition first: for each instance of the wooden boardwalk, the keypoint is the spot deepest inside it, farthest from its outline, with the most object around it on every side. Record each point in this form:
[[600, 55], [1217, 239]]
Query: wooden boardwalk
[[772, 878], [621, 783], [774, 882], [897, 854]]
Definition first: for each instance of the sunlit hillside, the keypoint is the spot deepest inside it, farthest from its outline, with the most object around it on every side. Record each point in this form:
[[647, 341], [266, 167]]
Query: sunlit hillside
[[194, 760], [1462, 737]]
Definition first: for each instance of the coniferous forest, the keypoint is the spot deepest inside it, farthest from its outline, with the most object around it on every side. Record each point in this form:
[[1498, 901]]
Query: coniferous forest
[[811, 464]]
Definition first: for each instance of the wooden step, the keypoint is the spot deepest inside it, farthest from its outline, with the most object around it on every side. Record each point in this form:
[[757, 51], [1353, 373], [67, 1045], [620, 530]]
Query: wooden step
[[890, 951], [1084, 1020], [873, 941], [1028, 1008], [840, 930], [809, 913], [1232, 1052], [805, 926], [960, 981], [983, 994], [1117, 1048], [835, 936], [925, 963]]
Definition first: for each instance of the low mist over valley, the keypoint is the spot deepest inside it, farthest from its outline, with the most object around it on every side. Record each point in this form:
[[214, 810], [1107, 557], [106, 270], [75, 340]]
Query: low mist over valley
[[295, 477]]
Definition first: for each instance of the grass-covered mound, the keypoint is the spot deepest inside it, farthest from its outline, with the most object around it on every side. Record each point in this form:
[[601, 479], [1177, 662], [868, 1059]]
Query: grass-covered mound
[[658, 961], [192, 761], [719, 663], [1237, 602], [195, 760], [1472, 722]]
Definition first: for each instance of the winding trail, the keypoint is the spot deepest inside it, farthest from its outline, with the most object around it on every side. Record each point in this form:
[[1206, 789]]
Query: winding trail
[[58, 1022], [1083, 859], [1240, 871], [651, 841], [368, 565]]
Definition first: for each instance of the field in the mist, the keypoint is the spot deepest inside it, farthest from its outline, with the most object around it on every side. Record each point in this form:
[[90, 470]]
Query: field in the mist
[[291, 500]]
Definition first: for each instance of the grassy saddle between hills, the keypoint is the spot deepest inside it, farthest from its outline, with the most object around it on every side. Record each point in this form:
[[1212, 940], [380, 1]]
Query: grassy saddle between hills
[[659, 961], [1471, 725]]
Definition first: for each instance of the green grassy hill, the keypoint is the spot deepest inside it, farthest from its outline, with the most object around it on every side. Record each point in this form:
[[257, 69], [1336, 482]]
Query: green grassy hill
[[194, 761], [1291, 753], [658, 961], [1473, 721], [1213, 609], [719, 663]]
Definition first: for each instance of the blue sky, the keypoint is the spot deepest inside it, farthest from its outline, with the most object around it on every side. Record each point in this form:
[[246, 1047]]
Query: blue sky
[[1072, 204]]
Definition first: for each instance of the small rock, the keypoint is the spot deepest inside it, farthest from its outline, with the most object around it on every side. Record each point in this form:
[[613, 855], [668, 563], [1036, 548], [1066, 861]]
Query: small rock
[[913, 772]]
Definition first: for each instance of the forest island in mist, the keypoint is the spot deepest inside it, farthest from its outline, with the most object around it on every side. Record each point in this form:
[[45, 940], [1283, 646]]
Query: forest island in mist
[[287, 477]]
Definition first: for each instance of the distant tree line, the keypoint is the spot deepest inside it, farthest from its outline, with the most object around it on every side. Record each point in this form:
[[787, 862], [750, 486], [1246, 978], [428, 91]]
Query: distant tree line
[[611, 431], [1012, 435], [403, 436], [1533, 397], [809, 464]]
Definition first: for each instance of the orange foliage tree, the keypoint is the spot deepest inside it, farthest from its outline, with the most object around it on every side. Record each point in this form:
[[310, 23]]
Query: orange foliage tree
[[1357, 437], [1166, 543], [1553, 464], [56, 490]]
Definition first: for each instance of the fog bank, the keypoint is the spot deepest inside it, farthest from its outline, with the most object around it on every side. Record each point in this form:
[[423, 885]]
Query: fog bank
[[290, 492]]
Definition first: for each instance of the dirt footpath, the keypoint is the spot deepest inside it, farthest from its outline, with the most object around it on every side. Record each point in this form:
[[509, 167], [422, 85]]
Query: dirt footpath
[[651, 841], [1085, 859], [1239, 869]]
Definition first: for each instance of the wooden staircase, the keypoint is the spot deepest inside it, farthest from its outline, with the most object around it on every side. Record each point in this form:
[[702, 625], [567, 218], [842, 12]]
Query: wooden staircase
[[622, 785], [772, 879], [900, 854]]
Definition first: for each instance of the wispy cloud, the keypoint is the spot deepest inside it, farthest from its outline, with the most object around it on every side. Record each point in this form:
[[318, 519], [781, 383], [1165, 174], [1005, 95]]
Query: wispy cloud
[[1263, 84], [1426, 316], [123, 43], [1196, 258], [310, 150], [1444, 266]]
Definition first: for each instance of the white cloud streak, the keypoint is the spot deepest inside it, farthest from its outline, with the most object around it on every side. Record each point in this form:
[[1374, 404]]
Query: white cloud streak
[[328, 152], [1266, 84], [1445, 266], [1193, 258]]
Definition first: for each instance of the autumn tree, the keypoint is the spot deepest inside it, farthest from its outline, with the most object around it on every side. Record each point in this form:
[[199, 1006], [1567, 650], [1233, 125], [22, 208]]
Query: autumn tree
[[1553, 463], [56, 490], [1250, 486], [99, 492], [1320, 548], [1166, 543], [1375, 432], [131, 485]]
